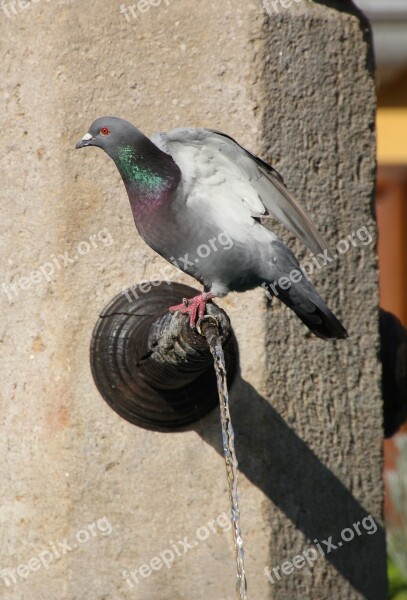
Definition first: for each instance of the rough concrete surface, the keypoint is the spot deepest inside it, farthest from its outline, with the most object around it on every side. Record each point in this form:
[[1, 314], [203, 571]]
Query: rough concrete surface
[[294, 86]]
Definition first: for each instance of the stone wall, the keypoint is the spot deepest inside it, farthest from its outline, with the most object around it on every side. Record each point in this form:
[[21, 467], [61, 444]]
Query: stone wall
[[294, 85]]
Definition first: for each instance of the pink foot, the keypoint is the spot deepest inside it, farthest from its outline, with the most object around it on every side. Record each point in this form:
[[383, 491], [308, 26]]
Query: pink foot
[[194, 307]]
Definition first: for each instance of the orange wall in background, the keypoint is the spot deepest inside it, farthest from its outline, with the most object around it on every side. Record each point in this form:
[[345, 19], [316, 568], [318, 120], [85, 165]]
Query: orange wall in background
[[391, 199], [391, 211]]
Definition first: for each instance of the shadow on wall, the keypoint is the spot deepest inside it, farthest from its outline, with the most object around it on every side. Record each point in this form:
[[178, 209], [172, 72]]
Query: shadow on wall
[[276, 460], [347, 6]]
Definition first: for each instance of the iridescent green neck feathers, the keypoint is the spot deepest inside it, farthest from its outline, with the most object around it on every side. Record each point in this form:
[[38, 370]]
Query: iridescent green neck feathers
[[130, 164]]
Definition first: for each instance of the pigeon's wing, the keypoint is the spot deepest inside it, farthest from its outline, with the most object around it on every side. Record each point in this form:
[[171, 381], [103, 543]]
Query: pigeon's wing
[[212, 184], [276, 198], [260, 188]]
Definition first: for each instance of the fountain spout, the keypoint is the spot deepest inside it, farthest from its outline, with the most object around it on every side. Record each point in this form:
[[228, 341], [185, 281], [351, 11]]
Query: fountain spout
[[149, 365]]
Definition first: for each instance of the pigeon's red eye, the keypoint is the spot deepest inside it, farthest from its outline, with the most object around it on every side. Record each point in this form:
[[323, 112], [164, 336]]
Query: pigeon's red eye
[[104, 131]]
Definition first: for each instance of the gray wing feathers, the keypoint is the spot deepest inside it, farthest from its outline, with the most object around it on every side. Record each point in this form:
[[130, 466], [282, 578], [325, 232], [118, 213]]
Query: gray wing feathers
[[282, 205], [262, 189]]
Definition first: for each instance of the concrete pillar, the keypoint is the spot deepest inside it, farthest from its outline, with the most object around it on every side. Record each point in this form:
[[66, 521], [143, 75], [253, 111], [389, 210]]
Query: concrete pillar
[[294, 84]]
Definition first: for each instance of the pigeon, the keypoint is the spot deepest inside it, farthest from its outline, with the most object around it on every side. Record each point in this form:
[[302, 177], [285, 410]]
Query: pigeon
[[192, 189]]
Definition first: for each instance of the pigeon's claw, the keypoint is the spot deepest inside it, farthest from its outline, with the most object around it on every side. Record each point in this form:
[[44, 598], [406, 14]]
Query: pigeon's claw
[[194, 307]]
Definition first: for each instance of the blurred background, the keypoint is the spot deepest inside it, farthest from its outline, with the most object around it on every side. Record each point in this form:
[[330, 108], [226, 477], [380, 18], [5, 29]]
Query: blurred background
[[389, 23]]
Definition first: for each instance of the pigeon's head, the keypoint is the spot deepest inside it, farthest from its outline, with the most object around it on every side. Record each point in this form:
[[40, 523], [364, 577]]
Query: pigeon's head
[[110, 133]]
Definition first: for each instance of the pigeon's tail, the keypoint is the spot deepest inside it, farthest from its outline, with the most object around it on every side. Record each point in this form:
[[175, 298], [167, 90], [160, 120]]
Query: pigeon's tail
[[313, 312]]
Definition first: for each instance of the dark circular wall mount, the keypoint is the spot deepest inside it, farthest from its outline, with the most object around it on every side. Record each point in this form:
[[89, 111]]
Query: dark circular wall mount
[[149, 365]]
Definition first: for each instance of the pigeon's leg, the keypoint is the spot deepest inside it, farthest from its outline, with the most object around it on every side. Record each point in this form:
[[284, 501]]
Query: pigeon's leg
[[194, 307]]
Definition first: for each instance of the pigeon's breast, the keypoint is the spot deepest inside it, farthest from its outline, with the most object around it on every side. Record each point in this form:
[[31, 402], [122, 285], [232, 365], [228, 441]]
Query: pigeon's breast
[[213, 247]]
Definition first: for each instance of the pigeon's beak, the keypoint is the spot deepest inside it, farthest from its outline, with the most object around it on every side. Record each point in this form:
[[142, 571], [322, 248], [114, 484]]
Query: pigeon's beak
[[85, 141]]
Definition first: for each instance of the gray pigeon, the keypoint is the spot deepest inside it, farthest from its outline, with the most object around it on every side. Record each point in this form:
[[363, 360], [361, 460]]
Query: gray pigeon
[[197, 199]]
